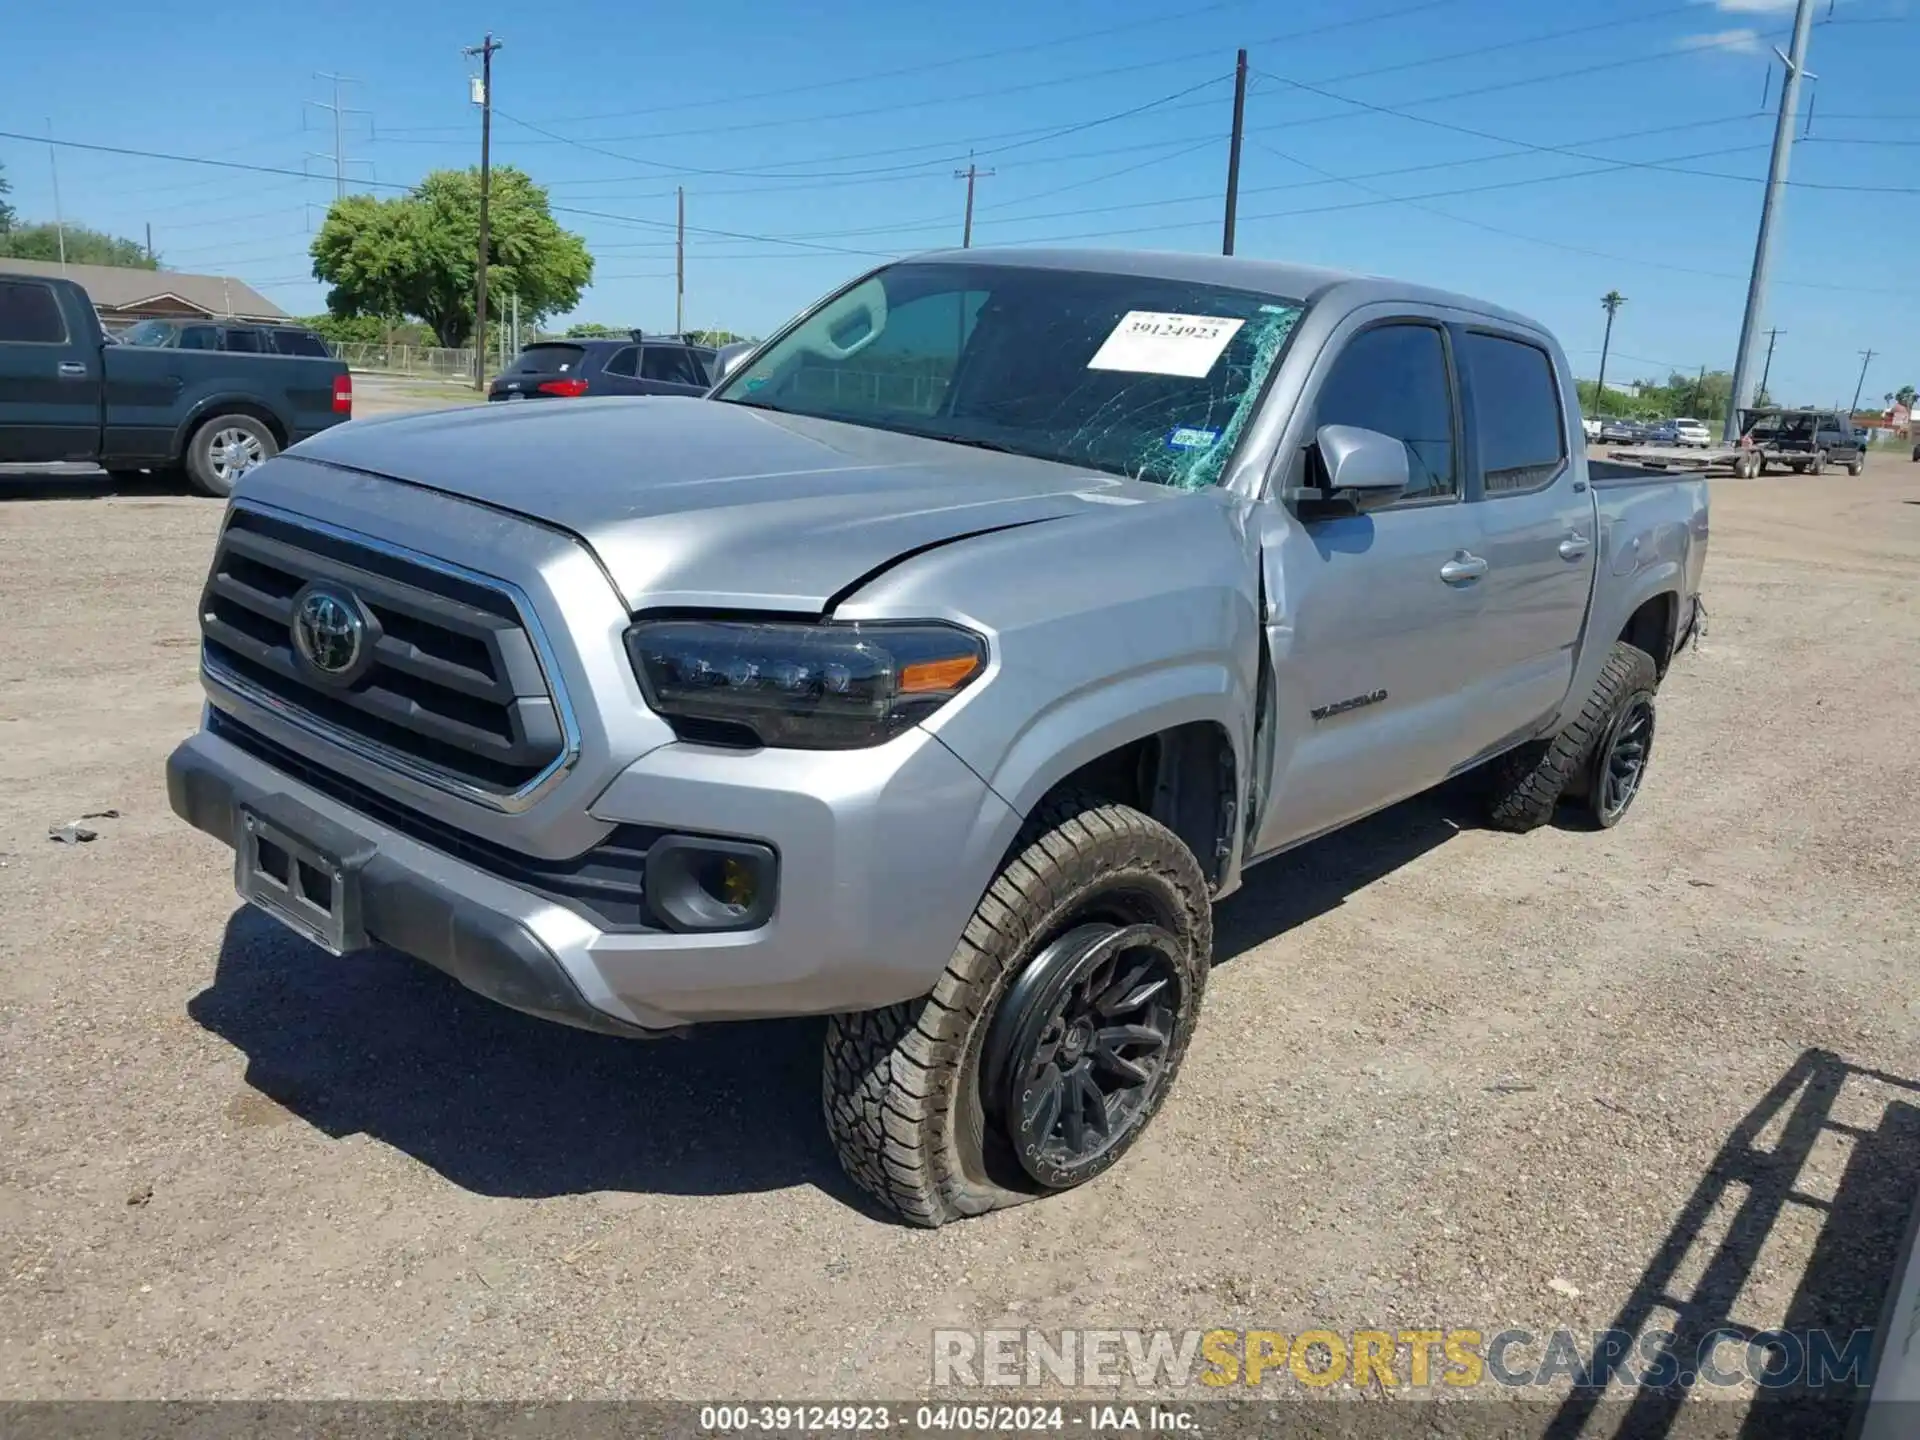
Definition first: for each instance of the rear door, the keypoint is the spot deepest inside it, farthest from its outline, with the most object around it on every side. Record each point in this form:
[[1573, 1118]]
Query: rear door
[[621, 374], [49, 377], [1373, 646], [671, 370], [1534, 515]]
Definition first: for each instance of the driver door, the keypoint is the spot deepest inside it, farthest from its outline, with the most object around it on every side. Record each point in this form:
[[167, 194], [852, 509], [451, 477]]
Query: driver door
[[1372, 647]]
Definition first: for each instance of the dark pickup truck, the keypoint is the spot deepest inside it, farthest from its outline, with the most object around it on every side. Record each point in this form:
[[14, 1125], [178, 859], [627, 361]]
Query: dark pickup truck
[[67, 394]]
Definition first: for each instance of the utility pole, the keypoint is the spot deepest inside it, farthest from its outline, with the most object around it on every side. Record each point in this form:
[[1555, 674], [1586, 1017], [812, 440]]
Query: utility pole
[[339, 112], [1233, 151], [59, 224], [149, 242], [485, 51], [970, 174], [516, 328], [1767, 369], [1866, 359], [680, 259], [1611, 303], [1763, 242]]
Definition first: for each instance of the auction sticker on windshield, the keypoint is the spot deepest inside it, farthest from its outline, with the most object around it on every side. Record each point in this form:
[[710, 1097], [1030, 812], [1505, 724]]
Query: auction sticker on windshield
[[1157, 342]]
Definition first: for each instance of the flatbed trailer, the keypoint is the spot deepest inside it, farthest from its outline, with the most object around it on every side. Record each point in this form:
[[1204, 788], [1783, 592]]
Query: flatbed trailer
[[1739, 460], [1743, 462]]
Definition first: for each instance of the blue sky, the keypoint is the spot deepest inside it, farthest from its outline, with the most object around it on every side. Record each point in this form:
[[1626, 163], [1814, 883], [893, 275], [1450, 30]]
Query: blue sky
[[814, 139]]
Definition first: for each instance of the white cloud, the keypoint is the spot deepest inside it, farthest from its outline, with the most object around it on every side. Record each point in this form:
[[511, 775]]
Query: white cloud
[[1755, 7], [1739, 42]]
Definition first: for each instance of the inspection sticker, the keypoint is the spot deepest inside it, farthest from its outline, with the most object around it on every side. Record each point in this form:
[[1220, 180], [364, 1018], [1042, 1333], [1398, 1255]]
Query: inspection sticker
[[1192, 438], [1156, 342]]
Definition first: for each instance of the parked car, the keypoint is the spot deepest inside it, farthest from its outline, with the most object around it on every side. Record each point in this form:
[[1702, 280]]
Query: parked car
[[567, 369], [224, 335], [1590, 427], [1690, 433], [67, 394], [1804, 441], [942, 708], [1622, 432]]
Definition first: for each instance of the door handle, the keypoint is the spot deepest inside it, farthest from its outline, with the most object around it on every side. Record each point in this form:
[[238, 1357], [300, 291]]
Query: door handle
[[72, 370], [1574, 546], [1463, 568]]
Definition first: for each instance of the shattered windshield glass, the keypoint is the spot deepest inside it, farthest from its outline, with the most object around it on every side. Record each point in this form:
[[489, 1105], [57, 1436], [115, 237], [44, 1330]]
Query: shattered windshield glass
[[1150, 378]]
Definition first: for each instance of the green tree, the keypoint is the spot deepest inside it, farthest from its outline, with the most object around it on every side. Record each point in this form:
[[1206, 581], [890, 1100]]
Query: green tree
[[415, 254], [83, 246], [369, 330], [6, 210], [715, 338], [587, 330], [1904, 396]]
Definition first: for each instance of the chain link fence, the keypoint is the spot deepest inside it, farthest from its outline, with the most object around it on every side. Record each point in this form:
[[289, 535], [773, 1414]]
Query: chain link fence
[[427, 362]]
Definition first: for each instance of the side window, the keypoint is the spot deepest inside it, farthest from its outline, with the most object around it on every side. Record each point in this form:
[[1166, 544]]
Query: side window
[[622, 361], [244, 340], [1517, 412], [670, 363], [29, 315], [199, 337], [1393, 379]]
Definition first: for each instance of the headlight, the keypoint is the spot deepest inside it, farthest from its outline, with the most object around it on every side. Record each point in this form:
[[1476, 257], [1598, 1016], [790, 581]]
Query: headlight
[[816, 686]]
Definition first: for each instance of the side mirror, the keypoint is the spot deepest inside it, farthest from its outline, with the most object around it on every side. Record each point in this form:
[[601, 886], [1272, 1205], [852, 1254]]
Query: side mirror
[[1365, 470], [729, 358]]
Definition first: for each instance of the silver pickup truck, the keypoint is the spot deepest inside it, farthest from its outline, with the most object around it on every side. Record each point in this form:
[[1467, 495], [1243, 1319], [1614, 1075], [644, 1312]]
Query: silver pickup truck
[[935, 673]]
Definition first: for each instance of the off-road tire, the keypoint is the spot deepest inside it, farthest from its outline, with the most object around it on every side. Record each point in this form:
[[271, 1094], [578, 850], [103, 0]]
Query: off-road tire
[[199, 457], [1524, 785], [1856, 465], [1818, 465], [901, 1085]]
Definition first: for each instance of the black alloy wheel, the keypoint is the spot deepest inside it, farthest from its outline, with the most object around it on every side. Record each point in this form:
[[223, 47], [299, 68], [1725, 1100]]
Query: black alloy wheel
[[1076, 1060], [1620, 765]]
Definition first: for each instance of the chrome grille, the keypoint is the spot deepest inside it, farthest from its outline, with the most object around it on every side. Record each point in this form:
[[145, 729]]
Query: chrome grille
[[452, 686]]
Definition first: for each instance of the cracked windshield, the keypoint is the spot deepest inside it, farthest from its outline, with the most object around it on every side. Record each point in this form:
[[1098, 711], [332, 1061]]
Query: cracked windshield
[[1149, 378]]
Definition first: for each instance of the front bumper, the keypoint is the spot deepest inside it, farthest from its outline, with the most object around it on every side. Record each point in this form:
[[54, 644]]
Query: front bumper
[[883, 855]]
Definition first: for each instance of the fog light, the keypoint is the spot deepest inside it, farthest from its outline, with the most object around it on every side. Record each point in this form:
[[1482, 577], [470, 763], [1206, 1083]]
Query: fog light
[[699, 884]]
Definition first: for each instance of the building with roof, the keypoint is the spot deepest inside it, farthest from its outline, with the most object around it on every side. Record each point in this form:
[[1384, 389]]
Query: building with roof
[[124, 296]]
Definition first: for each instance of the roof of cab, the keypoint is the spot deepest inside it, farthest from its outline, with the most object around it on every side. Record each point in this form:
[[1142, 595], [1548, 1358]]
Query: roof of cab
[[1275, 277]]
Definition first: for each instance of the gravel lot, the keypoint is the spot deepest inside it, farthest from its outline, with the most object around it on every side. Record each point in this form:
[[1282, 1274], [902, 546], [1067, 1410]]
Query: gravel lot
[[1446, 1077]]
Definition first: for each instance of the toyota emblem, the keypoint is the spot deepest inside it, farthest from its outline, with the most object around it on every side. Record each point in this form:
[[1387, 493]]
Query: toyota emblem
[[330, 633]]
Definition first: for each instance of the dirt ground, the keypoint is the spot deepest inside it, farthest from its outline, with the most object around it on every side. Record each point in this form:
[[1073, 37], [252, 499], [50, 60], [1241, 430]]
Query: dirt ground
[[1446, 1077]]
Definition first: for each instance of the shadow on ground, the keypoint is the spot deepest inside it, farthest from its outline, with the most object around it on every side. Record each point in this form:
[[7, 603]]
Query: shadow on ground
[[1294, 888], [502, 1104], [1757, 1174], [82, 482]]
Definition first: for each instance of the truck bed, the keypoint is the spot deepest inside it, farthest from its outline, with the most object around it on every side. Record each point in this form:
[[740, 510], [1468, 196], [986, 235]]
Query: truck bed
[[1629, 468]]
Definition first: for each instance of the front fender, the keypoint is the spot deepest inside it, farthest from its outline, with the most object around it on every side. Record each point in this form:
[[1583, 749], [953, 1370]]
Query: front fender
[[1104, 628]]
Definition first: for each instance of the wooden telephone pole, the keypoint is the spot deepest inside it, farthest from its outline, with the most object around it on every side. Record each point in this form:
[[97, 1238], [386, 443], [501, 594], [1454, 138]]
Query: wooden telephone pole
[[485, 51], [970, 174]]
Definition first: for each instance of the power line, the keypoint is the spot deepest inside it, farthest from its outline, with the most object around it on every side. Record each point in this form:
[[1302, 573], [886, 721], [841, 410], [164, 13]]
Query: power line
[[1056, 133], [1106, 72], [866, 77], [1562, 150]]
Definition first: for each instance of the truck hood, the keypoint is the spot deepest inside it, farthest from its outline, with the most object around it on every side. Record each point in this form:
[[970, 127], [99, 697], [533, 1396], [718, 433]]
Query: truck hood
[[694, 502]]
